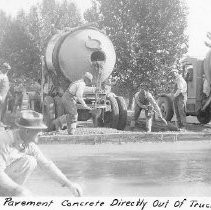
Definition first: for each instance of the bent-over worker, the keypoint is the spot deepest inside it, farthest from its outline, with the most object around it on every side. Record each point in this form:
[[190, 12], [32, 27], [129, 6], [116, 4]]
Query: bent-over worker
[[144, 100], [19, 155], [73, 94]]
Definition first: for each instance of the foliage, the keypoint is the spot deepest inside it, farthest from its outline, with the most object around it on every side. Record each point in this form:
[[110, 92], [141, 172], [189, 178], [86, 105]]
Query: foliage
[[148, 36], [5, 23], [23, 40]]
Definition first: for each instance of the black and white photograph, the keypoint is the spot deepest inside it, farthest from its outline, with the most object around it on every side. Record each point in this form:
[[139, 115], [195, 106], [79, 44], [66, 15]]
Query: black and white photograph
[[105, 98]]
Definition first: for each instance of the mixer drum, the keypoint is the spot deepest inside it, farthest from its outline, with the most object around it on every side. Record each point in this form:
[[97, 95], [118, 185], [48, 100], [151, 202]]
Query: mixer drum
[[71, 53]]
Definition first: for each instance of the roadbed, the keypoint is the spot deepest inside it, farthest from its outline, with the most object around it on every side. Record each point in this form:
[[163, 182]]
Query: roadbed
[[87, 134]]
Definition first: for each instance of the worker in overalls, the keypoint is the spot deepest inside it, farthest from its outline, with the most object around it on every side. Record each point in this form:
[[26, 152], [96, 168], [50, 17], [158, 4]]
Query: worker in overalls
[[73, 94], [4, 88], [144, 100]]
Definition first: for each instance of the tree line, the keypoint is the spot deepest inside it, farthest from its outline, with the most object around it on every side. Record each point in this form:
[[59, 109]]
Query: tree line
[[148, 35]]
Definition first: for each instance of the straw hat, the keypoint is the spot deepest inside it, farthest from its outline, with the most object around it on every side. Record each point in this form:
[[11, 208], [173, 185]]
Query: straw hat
[[31, 120], [6, 65]]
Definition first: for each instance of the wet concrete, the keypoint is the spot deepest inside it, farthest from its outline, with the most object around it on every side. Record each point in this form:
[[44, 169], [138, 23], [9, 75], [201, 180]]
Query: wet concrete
[[131, 169]]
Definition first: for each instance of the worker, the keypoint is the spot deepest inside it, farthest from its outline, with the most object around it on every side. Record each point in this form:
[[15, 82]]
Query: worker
[[144, 100], [73, 94], [4, 88], [19, 156], [206, 88], [180, 99]]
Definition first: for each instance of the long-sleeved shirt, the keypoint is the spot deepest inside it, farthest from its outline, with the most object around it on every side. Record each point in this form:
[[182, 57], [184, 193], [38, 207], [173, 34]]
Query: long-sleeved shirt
[[181, 85], [78, 88], [4, 86], [148, 100], [11, 149]]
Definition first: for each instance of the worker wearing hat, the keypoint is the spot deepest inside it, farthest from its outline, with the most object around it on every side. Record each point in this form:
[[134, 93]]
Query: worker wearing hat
[[19, 156], [180, 98], [4, 88], [73, 94]]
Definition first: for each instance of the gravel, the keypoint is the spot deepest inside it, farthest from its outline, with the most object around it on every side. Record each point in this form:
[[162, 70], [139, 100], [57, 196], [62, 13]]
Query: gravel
[[86, 128]]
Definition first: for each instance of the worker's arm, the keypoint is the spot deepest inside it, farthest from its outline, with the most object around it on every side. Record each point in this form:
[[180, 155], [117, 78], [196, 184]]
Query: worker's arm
[[156, 107], [49, 167], [79, 95]]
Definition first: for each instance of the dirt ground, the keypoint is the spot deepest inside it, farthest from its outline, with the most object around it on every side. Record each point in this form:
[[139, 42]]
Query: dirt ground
[[158, 126]]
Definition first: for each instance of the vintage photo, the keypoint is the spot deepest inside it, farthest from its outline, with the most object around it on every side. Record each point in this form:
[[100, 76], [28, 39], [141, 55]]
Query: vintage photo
[[102, 98]]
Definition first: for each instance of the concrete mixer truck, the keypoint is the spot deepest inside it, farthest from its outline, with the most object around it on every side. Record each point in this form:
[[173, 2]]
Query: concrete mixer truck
[[71, 53], [197, 74]]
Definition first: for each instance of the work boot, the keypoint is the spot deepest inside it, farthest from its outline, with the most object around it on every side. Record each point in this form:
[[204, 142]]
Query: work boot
[[71, 128], [148, 130], [182, 129]]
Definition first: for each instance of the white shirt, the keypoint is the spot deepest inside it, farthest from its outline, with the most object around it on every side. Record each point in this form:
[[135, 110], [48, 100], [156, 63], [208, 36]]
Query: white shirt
[[181, 85], [78, 88], [11, 150], [206, 87], [4, 86]]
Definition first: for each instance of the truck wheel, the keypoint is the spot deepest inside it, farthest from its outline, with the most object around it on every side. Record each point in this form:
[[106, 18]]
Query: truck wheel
[[111, 118], [49, 112], [166, 106], [122, 113], [204, 117], [114, 113]]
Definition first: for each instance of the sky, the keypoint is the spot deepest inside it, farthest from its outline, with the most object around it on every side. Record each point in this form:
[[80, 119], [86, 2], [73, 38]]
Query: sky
[[12, 6], [199, 20], [199, 23]]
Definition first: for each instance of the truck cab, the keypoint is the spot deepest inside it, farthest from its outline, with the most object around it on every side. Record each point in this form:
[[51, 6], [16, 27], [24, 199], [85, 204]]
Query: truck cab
[[196, 73], [193, 75]]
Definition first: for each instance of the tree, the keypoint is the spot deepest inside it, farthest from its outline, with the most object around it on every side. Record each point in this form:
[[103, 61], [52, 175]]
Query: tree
[[5, 23], [149, 39], [16, 47], [23, 40]]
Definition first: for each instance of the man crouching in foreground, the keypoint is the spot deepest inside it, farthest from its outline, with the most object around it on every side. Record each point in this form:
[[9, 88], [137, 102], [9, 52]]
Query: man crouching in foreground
[[19, 156]]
